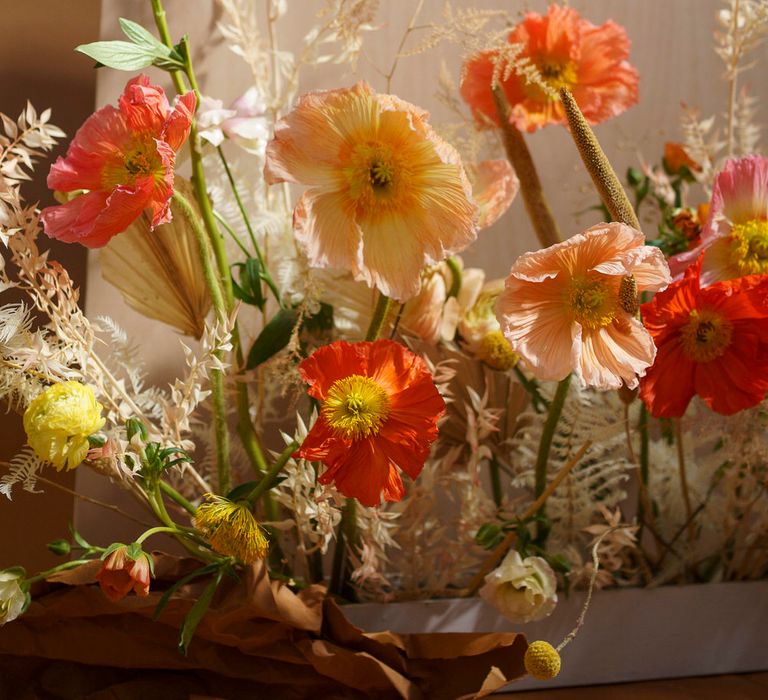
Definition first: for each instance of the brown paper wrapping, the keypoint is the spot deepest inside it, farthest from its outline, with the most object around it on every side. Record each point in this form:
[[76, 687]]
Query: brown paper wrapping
[[257, 637]]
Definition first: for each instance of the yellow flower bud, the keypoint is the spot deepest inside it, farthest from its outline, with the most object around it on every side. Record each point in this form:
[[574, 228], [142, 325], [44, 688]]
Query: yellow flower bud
[[542, 660], [59, 421], [496, 352]]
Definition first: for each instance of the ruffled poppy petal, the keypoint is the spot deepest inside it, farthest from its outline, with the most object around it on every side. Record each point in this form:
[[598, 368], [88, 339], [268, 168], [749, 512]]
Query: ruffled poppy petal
[[121, 208], [668, 386], [74, 220], [327, 230], [98, 142], [494, 186], [364, 474], [144, 106], [330, 363], [176, 128]]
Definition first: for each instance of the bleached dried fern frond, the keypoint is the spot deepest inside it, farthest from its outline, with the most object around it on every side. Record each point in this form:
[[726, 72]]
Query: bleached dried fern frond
[[240, 27], [344, 25], [600, 477], [702, 143], [745, 125], [744, 25], [22, 469], [25, 139], [159, 273]]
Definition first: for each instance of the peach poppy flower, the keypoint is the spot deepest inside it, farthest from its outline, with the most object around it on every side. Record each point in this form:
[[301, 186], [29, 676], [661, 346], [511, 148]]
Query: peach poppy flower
[[386, 196], [568, 51], [572, 307], [734, 241], [379, 411], [124, 157]]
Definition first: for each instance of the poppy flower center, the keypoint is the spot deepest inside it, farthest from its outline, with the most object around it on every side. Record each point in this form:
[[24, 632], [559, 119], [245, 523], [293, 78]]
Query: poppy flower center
[[375, 176], [706, 336], [594, 301], [556, 75], [356, 407], [749, 247]]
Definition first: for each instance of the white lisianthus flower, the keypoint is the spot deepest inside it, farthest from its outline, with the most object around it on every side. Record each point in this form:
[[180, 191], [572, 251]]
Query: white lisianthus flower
[[12, 596], [522, 590]]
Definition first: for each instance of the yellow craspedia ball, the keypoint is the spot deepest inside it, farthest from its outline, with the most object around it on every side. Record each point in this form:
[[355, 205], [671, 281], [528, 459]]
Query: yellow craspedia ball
[[496, 352], [542, 660], [59, 421]]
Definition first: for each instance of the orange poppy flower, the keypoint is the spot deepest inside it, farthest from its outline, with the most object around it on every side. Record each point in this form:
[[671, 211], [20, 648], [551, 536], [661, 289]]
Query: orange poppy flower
[[567, 51], [379, 411], [712, 342]]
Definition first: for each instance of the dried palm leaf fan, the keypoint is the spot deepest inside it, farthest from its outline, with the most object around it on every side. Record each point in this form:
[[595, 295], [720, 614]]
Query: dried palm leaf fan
[[159, 272]]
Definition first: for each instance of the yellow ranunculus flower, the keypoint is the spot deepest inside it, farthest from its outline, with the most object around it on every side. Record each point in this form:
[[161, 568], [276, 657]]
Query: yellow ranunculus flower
[[59, 421]]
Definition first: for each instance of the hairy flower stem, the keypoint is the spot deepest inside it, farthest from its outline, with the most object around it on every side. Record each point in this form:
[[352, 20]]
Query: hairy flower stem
[[520, 157], [379, 316], [599, 168], [217, 375], [346, 533], [684, 479], [495, 472], [267, 480], [547, 434], [177, 498], [245, 427]]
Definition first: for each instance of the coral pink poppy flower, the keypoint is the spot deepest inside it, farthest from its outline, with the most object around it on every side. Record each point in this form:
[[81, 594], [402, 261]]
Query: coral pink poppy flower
[[572, 307], [568, 51], [120, 574], [712, 342], [123, 157], [387, 196], [379, 411], [735, 239]]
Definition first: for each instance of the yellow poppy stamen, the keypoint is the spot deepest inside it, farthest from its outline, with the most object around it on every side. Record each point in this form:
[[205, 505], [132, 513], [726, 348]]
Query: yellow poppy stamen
[[356, 407], [706, 336], [594, 301], [749, 247]]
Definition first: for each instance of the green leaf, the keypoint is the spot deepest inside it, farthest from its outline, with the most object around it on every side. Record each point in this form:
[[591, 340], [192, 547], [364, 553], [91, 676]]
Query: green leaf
[[111, 548], [78, 538], [489, 535], [203, 571], [242, 491], [142, 37], [249, 289], [197, 612], [273, 338], [121, 55]]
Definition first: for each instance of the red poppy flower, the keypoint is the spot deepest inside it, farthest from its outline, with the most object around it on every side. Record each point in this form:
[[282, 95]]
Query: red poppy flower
[[123, 157], [712, 342], [120, 574], [567, 51], [379, 411]]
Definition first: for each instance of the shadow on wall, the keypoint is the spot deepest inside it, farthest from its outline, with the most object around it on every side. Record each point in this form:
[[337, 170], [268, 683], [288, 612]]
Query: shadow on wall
[[37, 63]]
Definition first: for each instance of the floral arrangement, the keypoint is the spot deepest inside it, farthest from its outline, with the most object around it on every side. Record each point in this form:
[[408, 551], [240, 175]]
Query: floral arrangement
[[361, 412]]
